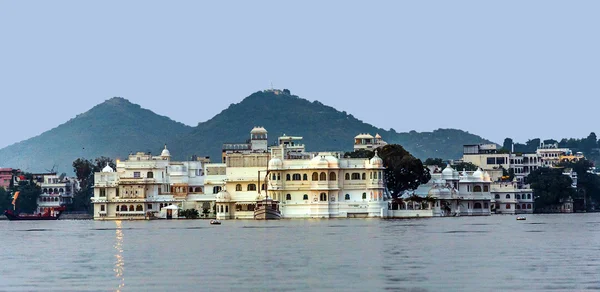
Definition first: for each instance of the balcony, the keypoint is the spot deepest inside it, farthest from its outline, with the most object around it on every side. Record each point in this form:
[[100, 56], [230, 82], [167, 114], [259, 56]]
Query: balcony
[[137, 180]]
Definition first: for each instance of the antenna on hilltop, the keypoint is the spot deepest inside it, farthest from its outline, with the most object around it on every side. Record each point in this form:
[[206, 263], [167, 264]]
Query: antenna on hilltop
[[271, 85]]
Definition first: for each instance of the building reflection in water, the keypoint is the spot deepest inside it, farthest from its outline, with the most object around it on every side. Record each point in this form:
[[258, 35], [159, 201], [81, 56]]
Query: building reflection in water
[[119, 262]]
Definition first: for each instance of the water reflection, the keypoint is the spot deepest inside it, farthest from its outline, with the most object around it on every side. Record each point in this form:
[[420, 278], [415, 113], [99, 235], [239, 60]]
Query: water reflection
[[119, 262]]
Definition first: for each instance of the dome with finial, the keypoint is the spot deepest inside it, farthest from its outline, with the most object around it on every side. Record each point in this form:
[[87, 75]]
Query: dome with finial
[[376, 161], [319, 161], [258, 130], [107, 168], [275, 163], [448, 172], [377, 136], [165, 152], [478, 174], [223, 196], [486, 176]]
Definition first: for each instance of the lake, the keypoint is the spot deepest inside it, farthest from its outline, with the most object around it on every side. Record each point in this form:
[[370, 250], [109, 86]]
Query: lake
[[545, 252]]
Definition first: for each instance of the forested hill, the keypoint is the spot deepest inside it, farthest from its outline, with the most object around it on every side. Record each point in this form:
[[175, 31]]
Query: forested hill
[[118, 127], [322, 127]]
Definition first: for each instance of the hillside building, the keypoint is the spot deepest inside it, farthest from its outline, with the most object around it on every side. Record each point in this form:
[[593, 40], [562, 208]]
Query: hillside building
[[365, 141]]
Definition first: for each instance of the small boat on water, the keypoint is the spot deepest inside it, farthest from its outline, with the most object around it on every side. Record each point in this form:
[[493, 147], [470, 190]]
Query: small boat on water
[[215, 222], [267, 209], [50, 214], [521, 218]]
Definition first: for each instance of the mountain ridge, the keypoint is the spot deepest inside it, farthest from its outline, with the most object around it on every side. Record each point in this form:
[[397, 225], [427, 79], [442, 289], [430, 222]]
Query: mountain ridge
[[118, 127]]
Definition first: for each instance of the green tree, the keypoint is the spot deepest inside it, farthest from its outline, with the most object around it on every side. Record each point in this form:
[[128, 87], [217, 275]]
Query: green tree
[[189, 214], [508, 143], [588, 184], [550, 186], [468, 166], [402, 170], [29, 192]]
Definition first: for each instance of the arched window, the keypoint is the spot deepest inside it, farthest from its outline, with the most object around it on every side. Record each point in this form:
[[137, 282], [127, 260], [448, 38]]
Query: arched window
[[263, 187], [364, 176], [288, 197], [323, 197], [364, 196], [528, 196], [518, 197], [477, 206], [497, 196], [528, 206], [117, 208], [315, 176], [198, 189], [355, 176], [139, 208], [61, 190], [508, 196], [191, 189], [131, 208], [347, 176], [305, 197], [305, 176], [124, 208], [517, 206], [238, 187], [370, 175], [485, 205], [486, 189], [287, 177], [507, 206], [216, 190], [296, 176], [251, 187], [347, 197], [221, 208], [477, 189], [150, 174], [332, 176], [226, 209], [323, 176]]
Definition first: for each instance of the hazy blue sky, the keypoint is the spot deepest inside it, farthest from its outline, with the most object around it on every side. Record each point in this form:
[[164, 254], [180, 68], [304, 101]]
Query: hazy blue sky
[[493, 68]]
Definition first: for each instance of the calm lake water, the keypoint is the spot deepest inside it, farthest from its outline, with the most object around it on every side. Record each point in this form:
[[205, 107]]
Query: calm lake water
[[546, 252]]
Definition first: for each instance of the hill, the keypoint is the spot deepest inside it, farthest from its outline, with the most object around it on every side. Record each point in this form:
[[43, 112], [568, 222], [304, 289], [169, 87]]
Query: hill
[[322, 127], [113, 128], [118, 127]]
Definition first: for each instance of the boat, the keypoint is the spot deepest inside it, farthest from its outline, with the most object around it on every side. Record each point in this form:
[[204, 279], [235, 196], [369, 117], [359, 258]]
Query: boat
[[267, 209], [50, 214], [521, 218], [215, 222]]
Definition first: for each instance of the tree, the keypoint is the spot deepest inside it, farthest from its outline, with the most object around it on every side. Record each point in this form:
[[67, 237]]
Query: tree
[[189, 214], [29, 193], [550, 186], [588, 184], [84, 170], [467, 166], [435, 161], [590, 142], [5, 200], [402, 170], [508, 144]]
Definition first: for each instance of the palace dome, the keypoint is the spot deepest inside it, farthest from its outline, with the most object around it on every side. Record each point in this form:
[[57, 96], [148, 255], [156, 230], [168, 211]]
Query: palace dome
[[448, 172], [434, 192], [223, 196], [165, 152], [486, 176], [376, 161], [107, 168], [258, 130], [275, 163], [377, 136], [332, 162], [478, 175], [319, 161]]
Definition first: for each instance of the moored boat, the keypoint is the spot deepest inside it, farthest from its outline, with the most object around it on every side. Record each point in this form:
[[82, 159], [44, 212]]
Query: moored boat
[[267, 209], [215, 222], [52, 214], [521, 218]]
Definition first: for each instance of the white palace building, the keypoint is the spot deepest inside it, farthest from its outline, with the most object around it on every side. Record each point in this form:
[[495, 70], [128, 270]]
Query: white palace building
[[306, 184]]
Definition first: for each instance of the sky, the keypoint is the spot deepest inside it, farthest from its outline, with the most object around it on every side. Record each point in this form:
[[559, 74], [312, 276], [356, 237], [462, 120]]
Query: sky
[[520, 69]]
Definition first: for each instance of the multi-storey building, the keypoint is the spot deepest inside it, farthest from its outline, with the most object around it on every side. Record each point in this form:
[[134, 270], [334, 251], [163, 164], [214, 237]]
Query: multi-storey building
[[368, 142], [550, 154], [460, 193], [307, 185], [512, 198], [57, 191], [144, 185], [6, 176]]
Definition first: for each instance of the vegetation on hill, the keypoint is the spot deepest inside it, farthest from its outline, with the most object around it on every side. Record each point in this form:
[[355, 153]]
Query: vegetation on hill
[[113, 128], [117, 127]]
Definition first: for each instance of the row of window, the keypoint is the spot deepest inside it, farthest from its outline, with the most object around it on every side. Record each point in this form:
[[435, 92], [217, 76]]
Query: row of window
[[53, 191], [517, 206], [323, 176], [518, 197], [322, 197], [477, 189]]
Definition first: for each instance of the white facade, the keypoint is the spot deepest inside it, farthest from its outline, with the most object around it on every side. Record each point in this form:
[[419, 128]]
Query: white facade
[[144, 184], [56, 191], [511, 198], [368, 142]]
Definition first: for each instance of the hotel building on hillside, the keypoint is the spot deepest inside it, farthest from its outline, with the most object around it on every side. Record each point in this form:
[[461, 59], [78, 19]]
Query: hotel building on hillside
[[143, 185], [367, 142]]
